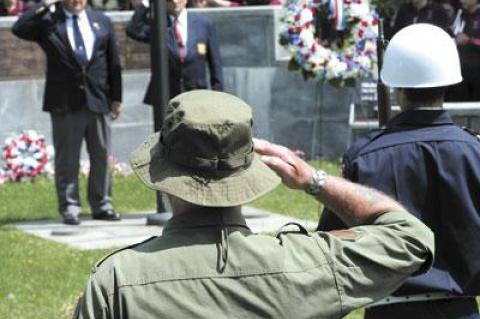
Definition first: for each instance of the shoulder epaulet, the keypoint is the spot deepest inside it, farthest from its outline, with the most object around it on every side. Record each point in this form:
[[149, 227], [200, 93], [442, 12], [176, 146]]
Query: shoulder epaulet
[[474, 133], [94, 269]]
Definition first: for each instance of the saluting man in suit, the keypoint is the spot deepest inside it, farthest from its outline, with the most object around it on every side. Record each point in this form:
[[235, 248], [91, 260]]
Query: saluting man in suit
[[192, 45], [83, 90]]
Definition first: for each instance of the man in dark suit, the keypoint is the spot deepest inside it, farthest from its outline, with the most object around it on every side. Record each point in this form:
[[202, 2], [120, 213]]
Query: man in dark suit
[[192, 44], [83, 90]]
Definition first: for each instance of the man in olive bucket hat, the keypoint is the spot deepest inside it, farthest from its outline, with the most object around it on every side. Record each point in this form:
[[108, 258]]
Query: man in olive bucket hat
[[208, 264]]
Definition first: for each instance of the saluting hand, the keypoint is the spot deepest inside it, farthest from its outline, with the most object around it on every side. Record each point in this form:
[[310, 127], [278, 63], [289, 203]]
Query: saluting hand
[[295, 172]]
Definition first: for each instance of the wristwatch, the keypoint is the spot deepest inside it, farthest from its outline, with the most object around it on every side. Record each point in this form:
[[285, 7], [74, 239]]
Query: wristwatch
[[319, 178]]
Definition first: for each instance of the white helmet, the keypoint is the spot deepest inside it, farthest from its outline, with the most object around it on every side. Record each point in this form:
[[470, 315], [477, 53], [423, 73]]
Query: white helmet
[[421, 56]]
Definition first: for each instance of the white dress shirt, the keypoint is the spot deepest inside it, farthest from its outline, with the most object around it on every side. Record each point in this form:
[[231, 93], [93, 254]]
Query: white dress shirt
[[182, 23], [85, 29]]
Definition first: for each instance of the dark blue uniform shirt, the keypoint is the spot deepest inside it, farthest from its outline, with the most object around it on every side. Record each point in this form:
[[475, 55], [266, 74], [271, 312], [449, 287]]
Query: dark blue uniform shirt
[[432, 167]]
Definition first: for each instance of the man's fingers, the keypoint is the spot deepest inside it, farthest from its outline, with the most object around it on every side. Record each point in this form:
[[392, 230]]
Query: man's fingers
[[278, 165], [263, 147], [260, 145]]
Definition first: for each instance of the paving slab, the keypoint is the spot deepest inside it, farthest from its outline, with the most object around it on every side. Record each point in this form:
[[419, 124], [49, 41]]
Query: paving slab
[[97, 234]]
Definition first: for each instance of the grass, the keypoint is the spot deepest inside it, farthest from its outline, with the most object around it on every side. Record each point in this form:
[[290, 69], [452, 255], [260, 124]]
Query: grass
[[37, 200], [40, 279], [43, 279], [294, 203]]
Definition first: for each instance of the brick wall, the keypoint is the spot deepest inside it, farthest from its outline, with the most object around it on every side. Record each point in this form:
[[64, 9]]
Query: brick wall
[[25, 59]]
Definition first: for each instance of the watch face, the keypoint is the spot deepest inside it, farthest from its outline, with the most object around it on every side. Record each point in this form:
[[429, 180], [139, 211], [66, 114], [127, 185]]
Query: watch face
[[318, 180]]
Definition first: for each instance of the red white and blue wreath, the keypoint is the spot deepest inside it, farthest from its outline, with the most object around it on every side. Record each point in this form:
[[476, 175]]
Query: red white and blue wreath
[[333, 41], [25, 156]]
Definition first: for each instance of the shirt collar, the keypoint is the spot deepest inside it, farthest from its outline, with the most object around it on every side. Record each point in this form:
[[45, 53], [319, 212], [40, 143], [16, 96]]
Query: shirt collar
[[420, 118], [206, 217], [181, 19], [82, 15]]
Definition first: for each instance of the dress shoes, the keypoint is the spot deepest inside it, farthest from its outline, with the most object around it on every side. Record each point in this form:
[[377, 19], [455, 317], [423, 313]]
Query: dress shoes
[[108, 214], [71, 220]]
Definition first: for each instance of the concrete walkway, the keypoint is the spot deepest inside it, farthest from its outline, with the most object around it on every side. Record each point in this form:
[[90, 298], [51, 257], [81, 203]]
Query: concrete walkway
[[95, 234]]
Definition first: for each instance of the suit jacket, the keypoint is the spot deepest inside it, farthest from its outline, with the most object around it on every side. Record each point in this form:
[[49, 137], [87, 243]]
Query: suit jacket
[[70, 85], [202, 49]]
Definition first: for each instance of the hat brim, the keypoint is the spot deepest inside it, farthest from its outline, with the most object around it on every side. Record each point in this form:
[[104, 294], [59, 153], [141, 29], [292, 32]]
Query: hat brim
[[200, 188]]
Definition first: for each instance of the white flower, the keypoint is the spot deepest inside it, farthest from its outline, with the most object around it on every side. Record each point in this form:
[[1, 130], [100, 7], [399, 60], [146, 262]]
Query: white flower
[[30, 162], [307, 38], [359, 10], [32, 135], [319, 57], [336, 67], [370, 46], [364, 61], [306, 16]]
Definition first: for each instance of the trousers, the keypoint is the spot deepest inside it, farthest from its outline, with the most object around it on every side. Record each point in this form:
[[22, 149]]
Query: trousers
[[69, 130]]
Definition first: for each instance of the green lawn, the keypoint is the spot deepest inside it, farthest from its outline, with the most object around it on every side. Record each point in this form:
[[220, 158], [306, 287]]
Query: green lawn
[[43, 279]]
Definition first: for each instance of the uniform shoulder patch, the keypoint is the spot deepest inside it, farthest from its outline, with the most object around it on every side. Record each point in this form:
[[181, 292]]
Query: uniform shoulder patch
[[94, 269]]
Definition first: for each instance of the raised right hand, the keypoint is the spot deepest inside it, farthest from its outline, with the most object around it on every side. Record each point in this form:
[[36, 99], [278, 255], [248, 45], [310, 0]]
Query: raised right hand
[[295, 172]]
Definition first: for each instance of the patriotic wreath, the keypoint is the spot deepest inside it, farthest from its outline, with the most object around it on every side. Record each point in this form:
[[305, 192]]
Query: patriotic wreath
[[24, 155], [333, 41]]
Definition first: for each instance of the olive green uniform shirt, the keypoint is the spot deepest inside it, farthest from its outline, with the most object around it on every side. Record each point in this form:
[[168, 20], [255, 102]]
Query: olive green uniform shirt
[[210, 265]]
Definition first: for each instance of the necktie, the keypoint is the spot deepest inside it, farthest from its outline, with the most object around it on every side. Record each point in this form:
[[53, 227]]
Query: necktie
[[178, 38], [78, 39]]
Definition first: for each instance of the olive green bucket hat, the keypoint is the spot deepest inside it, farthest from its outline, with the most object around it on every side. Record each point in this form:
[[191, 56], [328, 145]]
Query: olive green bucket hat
[[204, 152]]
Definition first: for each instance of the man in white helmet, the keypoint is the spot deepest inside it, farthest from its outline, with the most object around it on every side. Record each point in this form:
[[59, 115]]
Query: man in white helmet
[[432, 167]]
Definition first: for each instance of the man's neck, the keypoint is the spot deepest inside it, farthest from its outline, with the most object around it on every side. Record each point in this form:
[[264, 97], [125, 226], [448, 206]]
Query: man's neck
[[438, 105], [69, 13]]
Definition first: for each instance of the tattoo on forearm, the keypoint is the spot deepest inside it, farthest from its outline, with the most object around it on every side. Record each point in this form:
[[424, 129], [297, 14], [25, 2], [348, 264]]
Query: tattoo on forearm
[[373, 196]]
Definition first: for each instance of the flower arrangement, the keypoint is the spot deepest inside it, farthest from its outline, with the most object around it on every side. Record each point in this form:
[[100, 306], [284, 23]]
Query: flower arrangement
[[338, 60], [25, 156]]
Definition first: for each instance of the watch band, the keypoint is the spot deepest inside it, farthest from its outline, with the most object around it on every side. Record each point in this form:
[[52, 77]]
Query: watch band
[[319, 178]]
